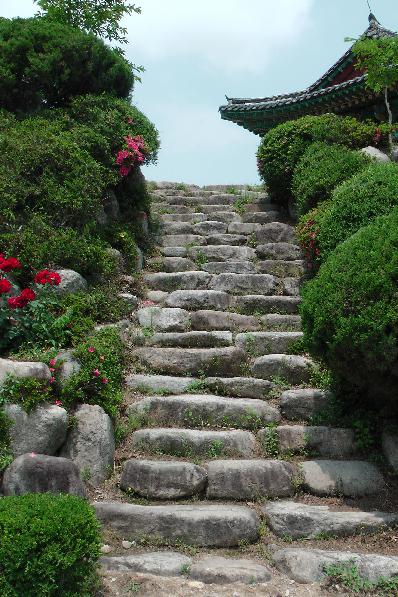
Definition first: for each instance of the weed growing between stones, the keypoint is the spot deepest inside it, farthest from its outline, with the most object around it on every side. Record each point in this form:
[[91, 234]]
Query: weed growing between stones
[[241, 204], [347, 574], [270, 441], [200, 259]]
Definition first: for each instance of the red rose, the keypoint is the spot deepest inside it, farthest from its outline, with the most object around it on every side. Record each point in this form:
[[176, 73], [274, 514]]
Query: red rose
[[20, 301], [5, 286], [28, 295], [7, 265], [47, 277], [14, 302]]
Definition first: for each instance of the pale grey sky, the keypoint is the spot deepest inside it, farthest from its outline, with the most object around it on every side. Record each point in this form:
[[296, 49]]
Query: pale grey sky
[[195, 53]]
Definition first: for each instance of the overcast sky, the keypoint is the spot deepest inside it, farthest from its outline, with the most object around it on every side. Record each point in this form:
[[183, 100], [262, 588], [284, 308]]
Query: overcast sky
[[195, 53]]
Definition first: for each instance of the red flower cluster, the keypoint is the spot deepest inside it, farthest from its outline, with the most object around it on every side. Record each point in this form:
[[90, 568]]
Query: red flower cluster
[[5, 286], [377, 136], [46, 277], [134, 154], [7, 265], [19, 302]]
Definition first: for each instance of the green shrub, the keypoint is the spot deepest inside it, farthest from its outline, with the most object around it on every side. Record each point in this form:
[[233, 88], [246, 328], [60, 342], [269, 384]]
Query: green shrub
[[350, 313], [103, 351], [43, 169], [320, 170], [49, 545], [45, 64], [27, 392], [5, 451], [370, 193], [307, 231], [283, 146]]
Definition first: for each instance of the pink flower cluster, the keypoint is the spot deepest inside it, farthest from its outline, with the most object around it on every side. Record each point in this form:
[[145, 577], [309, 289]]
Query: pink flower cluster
[[135, 153]]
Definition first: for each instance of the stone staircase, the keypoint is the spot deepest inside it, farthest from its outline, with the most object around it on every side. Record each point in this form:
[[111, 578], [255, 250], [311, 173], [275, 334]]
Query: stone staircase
[[222, 453]]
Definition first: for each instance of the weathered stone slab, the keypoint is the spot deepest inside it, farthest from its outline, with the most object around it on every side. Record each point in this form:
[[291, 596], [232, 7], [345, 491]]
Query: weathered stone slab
[[191, 218], [333, 477], [42, 431], [191, 442], [282, 269], [178, 280], [210, 227], [38, 473], [283, 323], [293, 368], [159, 383], [220, 571], [261, 217], [204, 409], [177, 228], [223, 320], [163, 320], [301, 521], [224, 216], [192, 361], [259, 303], [196, 524], [324, 441], [182, 240], [276, 232], [174, 251], [23, 369], [291, 286], [91, 443], [226, 239], [245, 283], [260, 343], [302, 405], [157, 296], [222, 253], [229, 267], [249, 479], [165, 563], [190, 339], [198, 299], [287, 251], [307, 565], [241, 387], [173, 264], [163, 480]]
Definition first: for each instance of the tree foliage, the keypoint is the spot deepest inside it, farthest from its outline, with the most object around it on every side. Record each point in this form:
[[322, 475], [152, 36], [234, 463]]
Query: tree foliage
[[379, 59], [101, 17]]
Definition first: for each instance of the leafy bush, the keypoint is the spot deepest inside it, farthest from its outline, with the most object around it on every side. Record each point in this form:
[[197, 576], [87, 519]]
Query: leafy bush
[[27, 392], [350, 313], [49, 545], [320, 170], [283, 146], [100, 379], [370, 193], [308, 234], [5, 452], [38, 244], [45, 64]]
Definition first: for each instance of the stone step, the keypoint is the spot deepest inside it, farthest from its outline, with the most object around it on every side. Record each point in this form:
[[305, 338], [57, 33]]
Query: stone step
[[210, 227], [182, 240], [204, 410], [282, 269], [261, 217], [219, 215], [162, 208], [276, 232], [155, 479], [288, 519], [229, 267], [223, 571], [282, 323], [249, 479], [341, 477], [164, 319], [192, 361], [226, 239], [328, 442], [223, 320], [198, 299], [291, 286], [173, 251], [239, 387], [293, 369], [261, 343], [308, 565], [191, 443], [172, 264], [264, 305], [216, 339], [202, 525], [174, 227], [281, 251], [222, 253], [220, 199], [161, 563], [303, 404], [245, 283], [245, 228], [195, 280], [190, 218]]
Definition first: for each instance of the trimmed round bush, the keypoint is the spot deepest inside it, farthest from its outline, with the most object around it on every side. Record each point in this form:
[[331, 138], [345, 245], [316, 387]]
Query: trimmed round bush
[[370, 193], [307, 231], [49, 545], [350, 313], [44, 64], [283, 146], [320, 170]]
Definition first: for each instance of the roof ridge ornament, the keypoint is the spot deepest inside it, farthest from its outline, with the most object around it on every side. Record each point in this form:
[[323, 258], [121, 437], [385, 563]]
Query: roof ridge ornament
[[372, 19]]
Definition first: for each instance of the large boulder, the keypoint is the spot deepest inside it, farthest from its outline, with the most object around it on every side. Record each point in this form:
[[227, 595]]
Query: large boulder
[[23, 369], [375, 154], [91, 444], [37, 473], [71, 282], [67, 365], [43, 430]]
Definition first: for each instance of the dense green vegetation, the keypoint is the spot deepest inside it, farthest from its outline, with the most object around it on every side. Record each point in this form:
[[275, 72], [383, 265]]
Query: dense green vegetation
[[49, 545]]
